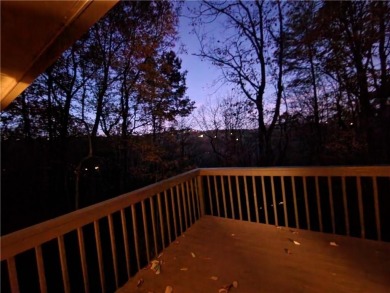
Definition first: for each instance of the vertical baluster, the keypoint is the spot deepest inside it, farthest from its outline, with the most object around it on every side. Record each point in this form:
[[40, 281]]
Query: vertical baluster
[[161, 219], [264, 200], [192, 188], [216, 195], [173, 211], [184, 205], [146, 230], [255, 198], [41, 269], [361, 211], [210, 199], [99, 254], [295, 201], [135, 234], [167, 213], [179, 207], [223, 196], [231, 197], [84, 267], [13, 275], [306, 203], [113, 249], [200, 196], [274, 200], [345, 203], [247, 198], [331, 204], [284, 202], [64, 265], [376, 206], [238, 197], [126, 242], [187, 191], [153, 225], [318, 204]]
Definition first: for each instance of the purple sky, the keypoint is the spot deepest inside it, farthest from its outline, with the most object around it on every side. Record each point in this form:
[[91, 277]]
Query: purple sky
[[201, 74]]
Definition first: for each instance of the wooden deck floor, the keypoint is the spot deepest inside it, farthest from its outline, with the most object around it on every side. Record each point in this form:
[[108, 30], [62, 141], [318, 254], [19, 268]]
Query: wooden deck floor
[[215, 252]]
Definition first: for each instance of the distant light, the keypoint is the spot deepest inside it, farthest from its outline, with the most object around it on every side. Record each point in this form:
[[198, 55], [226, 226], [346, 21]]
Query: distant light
[[86, 169], [351, 123], [236, 138], [231, 133], [215, 136], [280, 203], [96, 167], [200, 135]]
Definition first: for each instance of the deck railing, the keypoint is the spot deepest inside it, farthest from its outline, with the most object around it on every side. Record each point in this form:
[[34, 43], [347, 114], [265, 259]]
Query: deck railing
[[352, 201], [100, 247]]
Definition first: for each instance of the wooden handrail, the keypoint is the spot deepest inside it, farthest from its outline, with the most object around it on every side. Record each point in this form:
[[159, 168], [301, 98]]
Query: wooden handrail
[[317, 196], [171, 206], [22, 240], [299, 171]]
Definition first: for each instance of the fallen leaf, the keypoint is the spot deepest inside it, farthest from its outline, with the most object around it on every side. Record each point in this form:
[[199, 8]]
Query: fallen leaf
[[184, 269], [193, 254], [156, 266], [295, 242], [140, 282], [225, 289], [233, 235], [278, 227], [214, 278], [160, 255], [286, 250], [294, 232], [333, 243], [235, 284], [168, 289]]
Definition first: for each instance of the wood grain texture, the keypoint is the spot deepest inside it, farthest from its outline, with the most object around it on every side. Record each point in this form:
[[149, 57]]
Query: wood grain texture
[[263, 258]]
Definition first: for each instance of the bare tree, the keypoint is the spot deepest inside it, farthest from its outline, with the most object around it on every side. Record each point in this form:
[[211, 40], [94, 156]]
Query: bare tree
[[241, 52]]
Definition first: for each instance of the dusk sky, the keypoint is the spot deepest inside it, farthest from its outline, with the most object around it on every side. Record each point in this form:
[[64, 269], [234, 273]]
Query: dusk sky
[[201, 74]]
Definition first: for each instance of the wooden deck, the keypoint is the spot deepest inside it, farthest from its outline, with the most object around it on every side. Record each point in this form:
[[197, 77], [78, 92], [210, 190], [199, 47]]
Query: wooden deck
[[214, 252]]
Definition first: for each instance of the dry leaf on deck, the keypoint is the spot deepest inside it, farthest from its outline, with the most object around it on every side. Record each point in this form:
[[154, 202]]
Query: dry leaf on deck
[[294, 241], [333, 243], [140, 282]]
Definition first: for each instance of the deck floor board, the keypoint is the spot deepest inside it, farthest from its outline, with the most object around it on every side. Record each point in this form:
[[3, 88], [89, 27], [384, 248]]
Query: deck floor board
[[255, 256]]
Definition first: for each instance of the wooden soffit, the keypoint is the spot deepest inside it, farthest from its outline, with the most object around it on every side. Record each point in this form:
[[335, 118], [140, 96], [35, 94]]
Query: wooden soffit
[[35, 33]]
